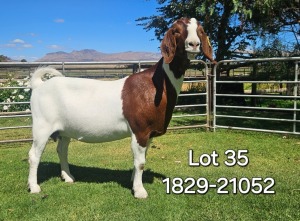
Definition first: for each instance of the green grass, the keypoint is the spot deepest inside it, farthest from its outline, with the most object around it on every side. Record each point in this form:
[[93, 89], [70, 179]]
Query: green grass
[[102, 190], [14, 134]]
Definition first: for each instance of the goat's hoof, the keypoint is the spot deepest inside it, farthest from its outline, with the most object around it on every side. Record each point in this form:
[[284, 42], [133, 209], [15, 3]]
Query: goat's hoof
[[141, 194], [68, 178], [35, 189]]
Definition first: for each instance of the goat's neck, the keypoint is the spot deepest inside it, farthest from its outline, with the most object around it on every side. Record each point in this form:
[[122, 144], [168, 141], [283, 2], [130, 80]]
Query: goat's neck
[[175, 72]]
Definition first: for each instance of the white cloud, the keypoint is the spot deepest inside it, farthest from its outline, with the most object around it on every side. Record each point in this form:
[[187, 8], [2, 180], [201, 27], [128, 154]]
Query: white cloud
[[55, 47], [18, 41], [9, 45], [59, 20], [27, 46], [17, 44]]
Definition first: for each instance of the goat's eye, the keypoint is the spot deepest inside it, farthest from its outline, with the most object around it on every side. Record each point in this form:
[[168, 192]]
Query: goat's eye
[[177, 31]]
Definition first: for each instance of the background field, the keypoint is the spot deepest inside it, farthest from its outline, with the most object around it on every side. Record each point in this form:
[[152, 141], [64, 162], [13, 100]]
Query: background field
[[103, 189]]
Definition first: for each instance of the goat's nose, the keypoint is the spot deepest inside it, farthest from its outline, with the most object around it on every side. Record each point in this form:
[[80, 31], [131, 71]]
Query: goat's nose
[[194, 44]]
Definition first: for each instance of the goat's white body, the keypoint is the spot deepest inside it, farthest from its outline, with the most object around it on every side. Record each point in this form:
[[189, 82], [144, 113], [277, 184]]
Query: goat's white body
[[83, 109]]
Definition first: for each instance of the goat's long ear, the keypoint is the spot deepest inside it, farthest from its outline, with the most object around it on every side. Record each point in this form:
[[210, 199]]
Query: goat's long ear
[[205, 44], [168, 46]]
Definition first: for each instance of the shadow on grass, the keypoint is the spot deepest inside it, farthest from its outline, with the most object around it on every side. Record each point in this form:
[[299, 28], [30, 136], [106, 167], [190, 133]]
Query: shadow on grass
[[48, 170]]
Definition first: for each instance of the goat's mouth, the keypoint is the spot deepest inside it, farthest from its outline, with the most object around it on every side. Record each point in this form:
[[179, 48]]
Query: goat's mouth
[[192, 50], [191, 54]]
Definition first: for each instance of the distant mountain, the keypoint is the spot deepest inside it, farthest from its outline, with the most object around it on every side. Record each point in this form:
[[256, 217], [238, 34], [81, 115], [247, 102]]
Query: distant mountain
[[4, 58], [93, 55]]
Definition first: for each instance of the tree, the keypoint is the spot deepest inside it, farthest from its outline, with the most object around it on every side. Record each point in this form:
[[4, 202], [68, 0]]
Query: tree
[[232, 25], [277, 70]]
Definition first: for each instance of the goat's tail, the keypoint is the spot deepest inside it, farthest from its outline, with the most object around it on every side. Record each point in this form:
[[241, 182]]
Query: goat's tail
[[42, 74]]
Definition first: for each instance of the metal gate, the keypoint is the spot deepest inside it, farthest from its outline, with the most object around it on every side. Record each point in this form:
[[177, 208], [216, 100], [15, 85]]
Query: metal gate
[[281, 115]]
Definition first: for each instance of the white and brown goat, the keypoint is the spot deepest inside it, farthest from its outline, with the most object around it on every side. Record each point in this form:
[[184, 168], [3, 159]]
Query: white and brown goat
[[139, 106]]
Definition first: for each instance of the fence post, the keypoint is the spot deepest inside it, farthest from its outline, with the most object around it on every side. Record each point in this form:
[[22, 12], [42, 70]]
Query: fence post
[[254, 85], [139, 66], [295, 95], [212, 98], [208, 98], [63, 68]]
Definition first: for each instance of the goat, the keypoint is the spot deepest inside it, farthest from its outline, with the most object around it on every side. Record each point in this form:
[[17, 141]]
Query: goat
[[139, 106]]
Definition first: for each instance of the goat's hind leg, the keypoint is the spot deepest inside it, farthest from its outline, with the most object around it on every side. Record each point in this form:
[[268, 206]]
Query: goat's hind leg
[[62, 150], [35, 154]]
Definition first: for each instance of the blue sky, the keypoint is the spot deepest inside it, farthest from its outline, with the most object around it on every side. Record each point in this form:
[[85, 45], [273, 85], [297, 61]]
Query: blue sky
[[30, 29]]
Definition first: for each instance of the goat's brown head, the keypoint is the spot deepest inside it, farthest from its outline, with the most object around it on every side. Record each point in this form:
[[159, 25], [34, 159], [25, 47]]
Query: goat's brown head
[[184, 38]]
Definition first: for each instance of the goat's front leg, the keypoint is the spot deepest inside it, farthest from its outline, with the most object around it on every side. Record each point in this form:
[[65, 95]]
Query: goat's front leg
[[139, 154], [62, 150]]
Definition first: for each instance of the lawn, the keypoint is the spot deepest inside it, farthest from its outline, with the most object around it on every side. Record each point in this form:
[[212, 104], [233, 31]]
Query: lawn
[[102, 190]]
